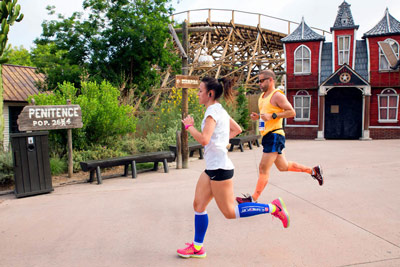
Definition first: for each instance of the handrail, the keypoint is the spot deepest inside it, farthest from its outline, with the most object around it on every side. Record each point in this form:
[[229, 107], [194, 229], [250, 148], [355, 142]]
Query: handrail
[[245, 12]]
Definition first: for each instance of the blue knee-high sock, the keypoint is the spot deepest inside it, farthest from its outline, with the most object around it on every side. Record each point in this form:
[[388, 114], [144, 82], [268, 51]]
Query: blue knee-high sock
[[251, 209], [200, 227]]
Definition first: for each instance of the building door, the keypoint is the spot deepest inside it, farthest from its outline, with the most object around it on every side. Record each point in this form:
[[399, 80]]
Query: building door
[[14, 112], [343, 113]]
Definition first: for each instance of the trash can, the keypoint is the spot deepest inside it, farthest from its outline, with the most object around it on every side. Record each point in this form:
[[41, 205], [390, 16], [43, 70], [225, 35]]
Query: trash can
[[31, 161]]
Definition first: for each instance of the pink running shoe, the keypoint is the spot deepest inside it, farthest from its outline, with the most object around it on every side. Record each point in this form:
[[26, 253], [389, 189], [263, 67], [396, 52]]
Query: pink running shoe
[[281, 212], [191, 252]]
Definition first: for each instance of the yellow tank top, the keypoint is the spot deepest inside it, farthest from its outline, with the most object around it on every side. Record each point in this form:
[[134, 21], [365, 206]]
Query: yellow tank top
[[265, 106]]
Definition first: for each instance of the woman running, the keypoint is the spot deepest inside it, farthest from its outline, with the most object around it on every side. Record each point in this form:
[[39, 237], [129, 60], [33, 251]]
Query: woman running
[[215, 182]]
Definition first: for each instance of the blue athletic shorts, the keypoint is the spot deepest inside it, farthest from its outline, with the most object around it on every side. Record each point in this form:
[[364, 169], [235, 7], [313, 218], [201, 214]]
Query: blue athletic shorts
[[273, 142], [219, 174]]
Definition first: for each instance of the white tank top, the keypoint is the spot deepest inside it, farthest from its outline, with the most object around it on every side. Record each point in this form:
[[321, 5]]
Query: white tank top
[[216, 152]]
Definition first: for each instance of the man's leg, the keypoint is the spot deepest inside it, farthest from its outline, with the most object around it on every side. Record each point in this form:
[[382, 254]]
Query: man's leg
[[266, 163], [283, 165]]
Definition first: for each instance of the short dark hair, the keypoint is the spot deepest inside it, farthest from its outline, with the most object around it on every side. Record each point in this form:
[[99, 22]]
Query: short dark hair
[[268, 74]]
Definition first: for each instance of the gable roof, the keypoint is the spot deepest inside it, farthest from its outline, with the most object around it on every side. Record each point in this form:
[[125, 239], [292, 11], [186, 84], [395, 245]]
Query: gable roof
[[388, 25], [346, 77], [360, 64], [361, 60], [19, 82], [326, 61], [303, 33], [344, 18]]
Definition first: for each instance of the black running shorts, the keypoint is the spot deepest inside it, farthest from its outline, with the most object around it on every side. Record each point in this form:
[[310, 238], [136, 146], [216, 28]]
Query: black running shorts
[[219, 174]]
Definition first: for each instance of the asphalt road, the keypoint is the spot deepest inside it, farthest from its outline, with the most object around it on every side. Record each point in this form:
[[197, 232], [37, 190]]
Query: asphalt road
[[352, 220]]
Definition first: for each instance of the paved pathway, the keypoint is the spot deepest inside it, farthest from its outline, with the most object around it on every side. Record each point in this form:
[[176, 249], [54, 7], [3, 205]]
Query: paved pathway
[[353, 220]]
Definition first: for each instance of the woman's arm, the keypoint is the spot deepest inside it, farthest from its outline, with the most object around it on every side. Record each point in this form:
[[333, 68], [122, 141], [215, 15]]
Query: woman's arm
[[234, 128], [203, 137]]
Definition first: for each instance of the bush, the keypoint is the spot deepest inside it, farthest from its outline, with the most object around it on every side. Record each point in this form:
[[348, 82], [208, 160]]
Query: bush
[[104, 119], [95, 152], [242, 108], [6, 168], [156, 130], [130, 144], [58, 166]]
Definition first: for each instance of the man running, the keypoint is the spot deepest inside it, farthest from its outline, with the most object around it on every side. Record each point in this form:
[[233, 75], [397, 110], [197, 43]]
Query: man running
[[274, 106]]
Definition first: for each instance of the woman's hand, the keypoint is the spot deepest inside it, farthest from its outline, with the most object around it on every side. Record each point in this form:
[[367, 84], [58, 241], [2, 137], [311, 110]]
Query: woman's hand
[[188, 121]]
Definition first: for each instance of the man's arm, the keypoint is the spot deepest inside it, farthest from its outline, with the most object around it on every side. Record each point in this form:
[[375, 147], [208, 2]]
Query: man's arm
[[281, 101]]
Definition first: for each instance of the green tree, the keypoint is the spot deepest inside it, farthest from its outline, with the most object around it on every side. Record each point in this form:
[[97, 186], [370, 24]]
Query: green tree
[[54, 63], [9, 13], [18, 56], [104, 118], [242, 107], [121, 41]]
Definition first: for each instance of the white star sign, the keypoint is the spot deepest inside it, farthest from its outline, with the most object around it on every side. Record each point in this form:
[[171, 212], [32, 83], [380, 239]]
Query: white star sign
[[345, 77]]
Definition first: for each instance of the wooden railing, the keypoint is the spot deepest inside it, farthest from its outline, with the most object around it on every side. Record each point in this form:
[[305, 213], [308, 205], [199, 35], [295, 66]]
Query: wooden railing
[[235, 12]]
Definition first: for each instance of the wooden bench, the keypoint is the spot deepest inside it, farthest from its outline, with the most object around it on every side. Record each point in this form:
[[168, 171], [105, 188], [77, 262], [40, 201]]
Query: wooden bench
[[193, 146], [95, 165], [239, 141]]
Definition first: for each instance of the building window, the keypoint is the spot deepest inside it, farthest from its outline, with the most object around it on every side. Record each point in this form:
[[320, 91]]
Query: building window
[[388, 103], [344, 49], [302, 60], [302, 106], [383, 63]]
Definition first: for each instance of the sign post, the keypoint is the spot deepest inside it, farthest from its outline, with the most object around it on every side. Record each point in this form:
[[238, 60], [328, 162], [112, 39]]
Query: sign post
[[70, 151], [185, 82], [38, 118]]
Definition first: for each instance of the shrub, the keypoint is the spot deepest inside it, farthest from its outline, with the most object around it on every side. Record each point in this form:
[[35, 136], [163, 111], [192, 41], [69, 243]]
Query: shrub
[[104, 119], [243, 117], [156, 130], [95, 152], [58, 166], [6, 168]]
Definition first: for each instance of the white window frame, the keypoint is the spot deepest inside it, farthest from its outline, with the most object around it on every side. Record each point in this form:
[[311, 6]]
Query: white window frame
[[302, 59], [386, 93], [300, 94], [382, 57], [342, 52]]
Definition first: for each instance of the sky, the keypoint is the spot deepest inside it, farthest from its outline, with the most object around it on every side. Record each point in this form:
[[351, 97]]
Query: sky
[[317, 13]]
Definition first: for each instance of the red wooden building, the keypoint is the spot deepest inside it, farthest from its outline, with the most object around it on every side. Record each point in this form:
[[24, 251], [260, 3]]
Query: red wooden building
[[344, 89]]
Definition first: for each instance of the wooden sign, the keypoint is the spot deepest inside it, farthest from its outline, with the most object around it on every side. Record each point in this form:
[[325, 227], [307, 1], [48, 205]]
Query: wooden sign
[[388, 52], [186, 81], [36, 118]]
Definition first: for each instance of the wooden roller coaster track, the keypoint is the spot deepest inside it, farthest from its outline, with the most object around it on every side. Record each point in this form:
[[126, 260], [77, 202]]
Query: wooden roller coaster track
[[232, 49]]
